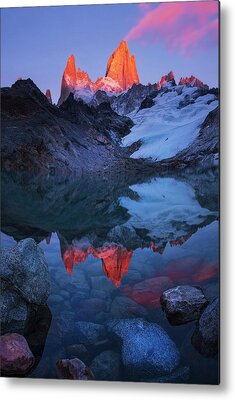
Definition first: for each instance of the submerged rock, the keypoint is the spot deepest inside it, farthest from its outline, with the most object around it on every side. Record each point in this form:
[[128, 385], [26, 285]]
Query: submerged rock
[[74, 369], [183, 304], [106, 366], [206, 336], [89, 308], [180, 375], [146, 348], [16, 357], [77, 350], [89, 333], [123, 307]]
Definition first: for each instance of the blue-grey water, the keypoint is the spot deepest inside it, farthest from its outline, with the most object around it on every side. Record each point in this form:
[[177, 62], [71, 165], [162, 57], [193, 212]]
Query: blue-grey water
[[112, 248]]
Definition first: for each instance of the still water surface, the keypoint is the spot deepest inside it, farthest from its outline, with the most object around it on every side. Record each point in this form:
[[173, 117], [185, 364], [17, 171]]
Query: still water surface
[[112, 247]]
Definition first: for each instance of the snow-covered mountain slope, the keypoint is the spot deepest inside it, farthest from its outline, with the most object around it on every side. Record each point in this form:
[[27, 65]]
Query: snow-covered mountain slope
[[171, 124], [166, 208]]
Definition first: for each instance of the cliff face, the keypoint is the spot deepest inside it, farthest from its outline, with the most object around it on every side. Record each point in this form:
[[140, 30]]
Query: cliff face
[[68, 79], [121, 67]]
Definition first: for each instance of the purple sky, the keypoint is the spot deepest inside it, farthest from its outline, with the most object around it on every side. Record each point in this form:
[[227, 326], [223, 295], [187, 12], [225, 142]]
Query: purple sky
[[182, 37]]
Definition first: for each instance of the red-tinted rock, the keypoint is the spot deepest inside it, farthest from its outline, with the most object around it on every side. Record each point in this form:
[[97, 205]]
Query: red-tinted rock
[[83, 81], [165, 79], [68, 260], [108, 85], [121, 67], [16, 357], [115, 261], [68, 79], [193, 81], [74, 369]]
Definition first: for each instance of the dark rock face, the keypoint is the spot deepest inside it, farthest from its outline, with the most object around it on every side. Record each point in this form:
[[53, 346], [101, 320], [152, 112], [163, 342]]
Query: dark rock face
[[146, 348], [128, 101], [206, 336], [147, 103], [48, 96], [16, 357], [36, 330], [102, 117], [106, 366], [74, 369], [89, 333], [25, 283], [183, 304], [39, 137]]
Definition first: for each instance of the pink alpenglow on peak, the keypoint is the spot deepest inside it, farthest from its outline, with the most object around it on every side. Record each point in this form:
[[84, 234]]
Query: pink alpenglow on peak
[[121, 74], [121, 67], [68, 80], [48, 95], [166, 79], [83, 80], [108, 85], [193, 81]]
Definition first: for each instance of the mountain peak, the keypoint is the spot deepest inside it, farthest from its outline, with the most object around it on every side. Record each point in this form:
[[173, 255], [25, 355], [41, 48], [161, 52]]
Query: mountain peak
[[193, 81], [48, 95], [170, 77], [121, 67]]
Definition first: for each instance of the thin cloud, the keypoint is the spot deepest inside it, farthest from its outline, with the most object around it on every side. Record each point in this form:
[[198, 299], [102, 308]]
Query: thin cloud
[[182, 25]]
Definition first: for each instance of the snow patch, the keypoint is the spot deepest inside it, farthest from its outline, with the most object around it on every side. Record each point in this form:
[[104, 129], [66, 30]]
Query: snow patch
[[165, 129]]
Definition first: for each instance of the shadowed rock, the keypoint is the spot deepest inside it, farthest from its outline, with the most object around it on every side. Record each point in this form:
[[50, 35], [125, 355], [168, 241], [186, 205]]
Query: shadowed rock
[[206, 336], [106, 366], [183, 304]]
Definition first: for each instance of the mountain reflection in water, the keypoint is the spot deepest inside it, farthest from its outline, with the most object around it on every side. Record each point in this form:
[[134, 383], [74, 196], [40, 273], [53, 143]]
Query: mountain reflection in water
[[110, 218]]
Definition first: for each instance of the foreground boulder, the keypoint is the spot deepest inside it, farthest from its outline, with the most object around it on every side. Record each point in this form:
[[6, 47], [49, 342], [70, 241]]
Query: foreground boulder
[[24, 283], [146, 348], [16, 357], [74, 369], [183, 304], [206, 336]]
